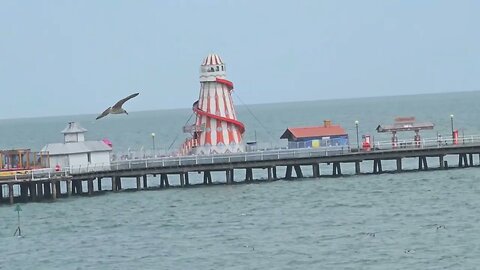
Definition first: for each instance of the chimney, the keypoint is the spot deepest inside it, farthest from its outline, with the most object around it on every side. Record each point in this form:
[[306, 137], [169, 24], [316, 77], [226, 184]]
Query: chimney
[[327, 123]]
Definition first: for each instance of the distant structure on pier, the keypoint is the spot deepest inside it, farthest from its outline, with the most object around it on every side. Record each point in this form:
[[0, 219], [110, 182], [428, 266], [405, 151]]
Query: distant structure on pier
[[316, 136], [405, 124], [216, 129], [75, 151]]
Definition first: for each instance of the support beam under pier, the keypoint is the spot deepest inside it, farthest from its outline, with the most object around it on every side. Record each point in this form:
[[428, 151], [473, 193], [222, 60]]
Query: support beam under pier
[[316, 170], [298, 171], [229, 175], [182, 179], [249, 175], [99, 183], [138, 183], [422, 163], [462, 160], [288, 172], [90, 187], [357, 167], [10, 192], [207, 177], [377, 166], [337, 169], [164, 180]]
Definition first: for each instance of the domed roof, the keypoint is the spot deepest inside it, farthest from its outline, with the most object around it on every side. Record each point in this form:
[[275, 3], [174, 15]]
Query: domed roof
[[73, 127], [212, 59]]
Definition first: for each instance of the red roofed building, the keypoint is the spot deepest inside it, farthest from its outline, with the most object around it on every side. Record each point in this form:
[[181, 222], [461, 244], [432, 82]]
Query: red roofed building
[[316, 136]]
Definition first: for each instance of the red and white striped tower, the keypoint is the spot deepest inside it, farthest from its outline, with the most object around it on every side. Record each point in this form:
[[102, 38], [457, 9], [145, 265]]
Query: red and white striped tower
[[216, 129]]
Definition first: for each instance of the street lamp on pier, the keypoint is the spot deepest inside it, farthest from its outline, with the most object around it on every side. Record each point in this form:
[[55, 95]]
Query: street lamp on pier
[[358, 142], [153, 143], [451, 122]]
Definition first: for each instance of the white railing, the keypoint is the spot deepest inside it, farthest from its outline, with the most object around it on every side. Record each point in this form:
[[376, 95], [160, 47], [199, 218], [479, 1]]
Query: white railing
[[277, 154], [211, 159], [427, 143], [35, 174]]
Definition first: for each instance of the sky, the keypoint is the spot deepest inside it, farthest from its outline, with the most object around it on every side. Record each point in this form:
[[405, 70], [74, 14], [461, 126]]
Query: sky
[[79, 57]]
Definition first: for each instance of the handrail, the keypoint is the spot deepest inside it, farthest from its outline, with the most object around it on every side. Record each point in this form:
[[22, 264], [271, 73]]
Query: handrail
[[275, 154]]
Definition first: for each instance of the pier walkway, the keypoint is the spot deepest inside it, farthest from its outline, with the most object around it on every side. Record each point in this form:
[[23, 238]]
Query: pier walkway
[[51, 185]]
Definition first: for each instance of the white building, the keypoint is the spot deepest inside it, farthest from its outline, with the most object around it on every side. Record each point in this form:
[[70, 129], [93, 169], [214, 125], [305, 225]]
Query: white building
[[76, 153]]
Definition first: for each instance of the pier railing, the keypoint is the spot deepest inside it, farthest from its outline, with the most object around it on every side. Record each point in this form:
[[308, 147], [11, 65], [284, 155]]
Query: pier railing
[[34, 175], [427, 143], [212, 159], [277, 154]]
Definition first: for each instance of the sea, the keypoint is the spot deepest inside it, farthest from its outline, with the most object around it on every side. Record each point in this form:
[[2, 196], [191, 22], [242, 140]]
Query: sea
[[411, 220]]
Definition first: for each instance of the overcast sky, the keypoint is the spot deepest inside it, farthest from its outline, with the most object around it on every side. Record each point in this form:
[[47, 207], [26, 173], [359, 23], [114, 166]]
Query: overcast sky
[[79, 57]]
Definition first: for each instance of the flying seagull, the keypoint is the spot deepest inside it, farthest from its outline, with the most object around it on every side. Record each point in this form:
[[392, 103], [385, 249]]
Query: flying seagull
[[117, 108]]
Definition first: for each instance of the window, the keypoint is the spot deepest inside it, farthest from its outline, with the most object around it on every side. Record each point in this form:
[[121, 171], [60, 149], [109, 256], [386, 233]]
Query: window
[[89, 158]]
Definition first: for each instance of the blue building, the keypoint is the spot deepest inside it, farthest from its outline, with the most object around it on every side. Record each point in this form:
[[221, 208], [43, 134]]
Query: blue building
[[316, 136]]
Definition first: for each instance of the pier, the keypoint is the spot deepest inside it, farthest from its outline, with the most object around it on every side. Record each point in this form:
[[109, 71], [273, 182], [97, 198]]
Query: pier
[[296, 163]]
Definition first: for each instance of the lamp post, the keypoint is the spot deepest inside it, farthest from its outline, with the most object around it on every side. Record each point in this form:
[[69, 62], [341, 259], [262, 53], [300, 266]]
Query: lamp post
[[153, 143], [358, 143], [451, 122]]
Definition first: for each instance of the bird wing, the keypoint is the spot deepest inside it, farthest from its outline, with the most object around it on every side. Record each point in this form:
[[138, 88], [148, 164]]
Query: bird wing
[[105, 113], [119, 104]]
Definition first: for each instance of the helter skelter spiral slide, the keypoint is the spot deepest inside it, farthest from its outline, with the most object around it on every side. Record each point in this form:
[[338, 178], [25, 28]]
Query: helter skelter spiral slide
[[216, 129]]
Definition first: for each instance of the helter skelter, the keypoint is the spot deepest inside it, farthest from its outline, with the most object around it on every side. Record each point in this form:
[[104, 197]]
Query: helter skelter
[[216, 129]]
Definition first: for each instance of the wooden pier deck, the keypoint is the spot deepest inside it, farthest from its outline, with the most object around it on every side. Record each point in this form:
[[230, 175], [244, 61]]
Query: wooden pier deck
[[72, 181]]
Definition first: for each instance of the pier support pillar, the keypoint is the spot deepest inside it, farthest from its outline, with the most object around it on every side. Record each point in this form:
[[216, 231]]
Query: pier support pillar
[[69, 187], [422, 163], [274, 172], [187, 181], [229, 176], [138, 183], [182, 179], [288, 172], [39, 190], [207, 177], [316, 170], [440, 160], [58, 188], [357, 167], [298, 171], [337, 169], [77, 187], [377, 166], [164, 180], [269, 173], [54, 190], [47, 190], [119, 183], [114, 185], [24, 191], [90, 187], [462, 160], [470, 158], [249, 175], [99, 183], [145, 182], [399, 164], [33, 191], [10, 192]]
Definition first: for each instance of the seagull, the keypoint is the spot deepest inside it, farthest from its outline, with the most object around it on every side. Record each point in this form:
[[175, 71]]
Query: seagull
[[117, 108]]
